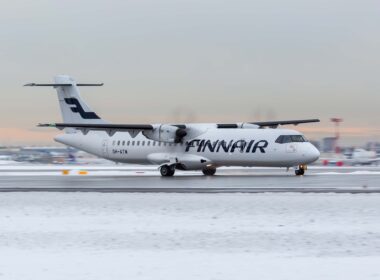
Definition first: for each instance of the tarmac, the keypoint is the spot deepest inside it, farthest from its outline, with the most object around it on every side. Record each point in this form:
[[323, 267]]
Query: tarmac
[[147, 180]]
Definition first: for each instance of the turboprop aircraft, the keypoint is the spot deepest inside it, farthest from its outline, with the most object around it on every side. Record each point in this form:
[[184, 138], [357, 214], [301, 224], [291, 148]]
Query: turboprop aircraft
[[203, 146], [364, 157], [358, 157]]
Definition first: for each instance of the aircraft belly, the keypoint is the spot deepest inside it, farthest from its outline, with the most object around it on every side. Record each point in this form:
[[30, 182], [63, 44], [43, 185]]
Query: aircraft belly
[[89, 143]]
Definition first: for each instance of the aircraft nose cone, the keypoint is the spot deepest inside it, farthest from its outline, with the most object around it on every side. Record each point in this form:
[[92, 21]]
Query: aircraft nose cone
[[313, 153]]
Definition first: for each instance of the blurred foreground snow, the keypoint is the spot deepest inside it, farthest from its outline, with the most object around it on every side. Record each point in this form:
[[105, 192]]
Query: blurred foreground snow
[[189, 236]]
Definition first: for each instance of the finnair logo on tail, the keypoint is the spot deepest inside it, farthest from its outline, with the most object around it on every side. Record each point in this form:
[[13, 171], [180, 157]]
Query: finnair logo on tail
[[77, 108]]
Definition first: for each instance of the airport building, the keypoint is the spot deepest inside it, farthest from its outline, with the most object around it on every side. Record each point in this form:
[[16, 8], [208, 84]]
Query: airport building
[[328, 144]]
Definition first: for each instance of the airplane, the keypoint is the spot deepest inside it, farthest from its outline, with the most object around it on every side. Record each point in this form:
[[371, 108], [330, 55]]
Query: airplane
[[359, 156], [363, 157], [190, 146]]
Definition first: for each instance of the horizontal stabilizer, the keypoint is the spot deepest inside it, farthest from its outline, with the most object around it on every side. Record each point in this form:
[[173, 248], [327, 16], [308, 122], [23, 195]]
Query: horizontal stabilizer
[[62, 85]]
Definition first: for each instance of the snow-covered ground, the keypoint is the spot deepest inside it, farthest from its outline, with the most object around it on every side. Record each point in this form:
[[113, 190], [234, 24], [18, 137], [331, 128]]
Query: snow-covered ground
[[189, 236]]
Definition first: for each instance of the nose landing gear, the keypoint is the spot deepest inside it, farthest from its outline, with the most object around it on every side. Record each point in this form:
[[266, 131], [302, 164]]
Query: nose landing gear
[[300, 170]]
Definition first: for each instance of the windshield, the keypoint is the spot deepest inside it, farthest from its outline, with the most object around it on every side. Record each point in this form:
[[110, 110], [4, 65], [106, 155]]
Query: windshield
[[290, 139]]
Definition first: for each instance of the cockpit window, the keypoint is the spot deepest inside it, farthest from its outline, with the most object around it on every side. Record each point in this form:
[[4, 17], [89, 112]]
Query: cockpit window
[[298, 138], [290, 139]]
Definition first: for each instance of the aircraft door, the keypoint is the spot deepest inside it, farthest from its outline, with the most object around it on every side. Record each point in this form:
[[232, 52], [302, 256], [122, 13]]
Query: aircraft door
[[291, 148], [105, 148]]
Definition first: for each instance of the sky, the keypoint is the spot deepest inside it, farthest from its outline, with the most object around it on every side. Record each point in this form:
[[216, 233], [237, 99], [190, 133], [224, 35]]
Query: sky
[[196, 61]]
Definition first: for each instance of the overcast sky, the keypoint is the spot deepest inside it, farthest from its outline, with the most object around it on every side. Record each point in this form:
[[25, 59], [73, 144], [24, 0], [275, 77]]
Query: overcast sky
[[203, 61]]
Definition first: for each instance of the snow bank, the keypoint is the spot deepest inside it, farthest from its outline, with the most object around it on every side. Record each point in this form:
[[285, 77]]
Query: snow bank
[[189, 236]]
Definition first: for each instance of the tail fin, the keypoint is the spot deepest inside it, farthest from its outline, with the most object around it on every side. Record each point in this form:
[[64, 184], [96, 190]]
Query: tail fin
[[73, 108]]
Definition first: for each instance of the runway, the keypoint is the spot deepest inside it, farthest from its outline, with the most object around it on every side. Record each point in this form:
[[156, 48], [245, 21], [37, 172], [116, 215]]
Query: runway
[[257, 180]]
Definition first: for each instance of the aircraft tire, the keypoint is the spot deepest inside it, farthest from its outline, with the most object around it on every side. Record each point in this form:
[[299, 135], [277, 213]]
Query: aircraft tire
[[209, 171], [300, 172], [167, 171]]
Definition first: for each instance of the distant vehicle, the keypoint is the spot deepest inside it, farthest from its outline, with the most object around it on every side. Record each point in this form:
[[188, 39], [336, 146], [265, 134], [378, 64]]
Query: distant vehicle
[[204, 146], [43, 154], [358, 157], [364, 157], [6, 160]]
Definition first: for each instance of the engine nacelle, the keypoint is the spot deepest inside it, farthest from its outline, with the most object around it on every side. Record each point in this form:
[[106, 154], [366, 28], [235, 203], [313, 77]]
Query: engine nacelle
[[248, 125], [166, 133]]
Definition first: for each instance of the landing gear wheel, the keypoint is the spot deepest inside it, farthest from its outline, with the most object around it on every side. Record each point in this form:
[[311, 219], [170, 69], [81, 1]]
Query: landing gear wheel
[[167, 171], [209, 171], [300, 172]]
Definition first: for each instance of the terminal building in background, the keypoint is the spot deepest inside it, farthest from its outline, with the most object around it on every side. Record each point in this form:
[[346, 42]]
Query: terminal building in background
[[328, 144]]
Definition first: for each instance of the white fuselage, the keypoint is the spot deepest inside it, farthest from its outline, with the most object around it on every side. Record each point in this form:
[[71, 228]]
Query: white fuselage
[[213, 147]]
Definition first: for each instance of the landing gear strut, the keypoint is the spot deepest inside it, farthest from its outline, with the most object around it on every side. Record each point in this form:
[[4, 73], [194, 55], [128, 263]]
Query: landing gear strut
[[301, 170], [167, 171], [209, 171]]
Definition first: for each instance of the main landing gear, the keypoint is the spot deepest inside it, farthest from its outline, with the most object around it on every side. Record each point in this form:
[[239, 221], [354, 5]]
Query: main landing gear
[[209, 171], [167, 170], [300, 170]]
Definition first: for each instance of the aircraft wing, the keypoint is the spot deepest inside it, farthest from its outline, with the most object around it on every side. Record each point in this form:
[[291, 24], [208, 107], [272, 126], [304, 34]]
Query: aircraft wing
[[143, 127], [170, 132], [277, 123], [121, 127], [271, 124], [164, 133], [111, 129]]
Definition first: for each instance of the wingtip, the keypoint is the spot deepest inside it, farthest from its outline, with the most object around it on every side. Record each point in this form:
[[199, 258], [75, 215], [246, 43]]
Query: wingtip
[[46, 125]]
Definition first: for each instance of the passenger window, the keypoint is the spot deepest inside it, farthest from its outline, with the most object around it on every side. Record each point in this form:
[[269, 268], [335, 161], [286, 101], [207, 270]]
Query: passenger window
[[118, 143], [142, 143], [128, 143], [123, 143], [138, 143], [148, 143], [133, 143]]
